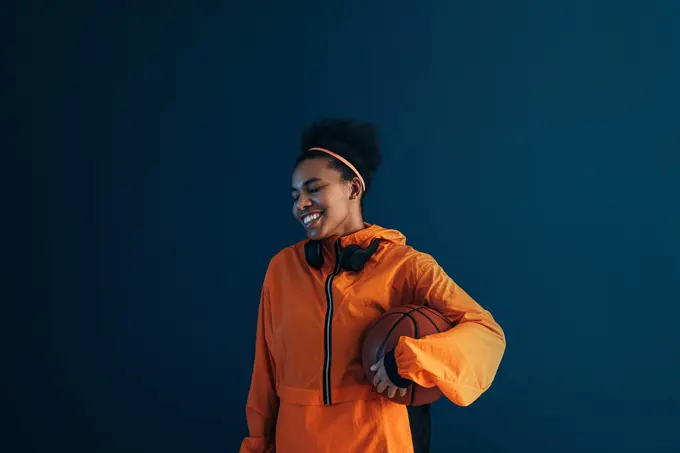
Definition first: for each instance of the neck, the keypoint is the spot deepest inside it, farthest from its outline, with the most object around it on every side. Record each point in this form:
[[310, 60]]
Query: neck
[[354, 224]]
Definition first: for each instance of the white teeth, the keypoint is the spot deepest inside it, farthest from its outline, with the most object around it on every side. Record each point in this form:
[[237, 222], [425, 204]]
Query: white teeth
[[310, 218]]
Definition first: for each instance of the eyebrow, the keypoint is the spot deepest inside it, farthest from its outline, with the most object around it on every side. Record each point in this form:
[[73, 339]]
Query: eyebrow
[[306, 183]]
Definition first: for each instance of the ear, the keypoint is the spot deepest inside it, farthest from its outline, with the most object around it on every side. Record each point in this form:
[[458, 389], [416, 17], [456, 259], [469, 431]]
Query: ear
[[355, 189]]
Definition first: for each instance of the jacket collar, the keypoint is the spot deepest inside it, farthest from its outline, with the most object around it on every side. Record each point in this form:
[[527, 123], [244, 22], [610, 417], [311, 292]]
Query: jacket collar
[[364, 237]]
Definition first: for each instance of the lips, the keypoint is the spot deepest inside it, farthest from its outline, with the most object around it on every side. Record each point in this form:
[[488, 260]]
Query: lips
[[311, 219]]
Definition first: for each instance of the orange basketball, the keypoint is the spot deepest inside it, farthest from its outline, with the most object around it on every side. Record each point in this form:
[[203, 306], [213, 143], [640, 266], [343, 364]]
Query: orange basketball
[[413, 321]]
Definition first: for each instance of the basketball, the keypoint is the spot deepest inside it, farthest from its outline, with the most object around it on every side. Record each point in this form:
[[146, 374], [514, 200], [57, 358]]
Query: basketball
[[413, 321]]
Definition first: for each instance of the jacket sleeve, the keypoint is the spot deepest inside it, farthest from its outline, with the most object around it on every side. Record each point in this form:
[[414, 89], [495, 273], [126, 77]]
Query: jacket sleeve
[[263, 401], [462, 361]]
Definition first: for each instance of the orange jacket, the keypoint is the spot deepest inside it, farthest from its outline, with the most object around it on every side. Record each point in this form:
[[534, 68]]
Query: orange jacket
[[309, 392]]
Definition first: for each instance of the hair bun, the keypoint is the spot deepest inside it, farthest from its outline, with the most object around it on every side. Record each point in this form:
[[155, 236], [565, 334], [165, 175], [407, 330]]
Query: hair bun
[[356, 141]]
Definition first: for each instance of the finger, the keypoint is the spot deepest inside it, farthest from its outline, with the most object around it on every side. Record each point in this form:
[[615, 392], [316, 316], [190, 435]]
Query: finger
[[382, 386], [402, 392], [379, 375], [391, 391]]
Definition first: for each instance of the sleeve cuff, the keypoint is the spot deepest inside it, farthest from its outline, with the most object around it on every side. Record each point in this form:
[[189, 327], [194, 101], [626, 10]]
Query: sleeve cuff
[[390, 364]]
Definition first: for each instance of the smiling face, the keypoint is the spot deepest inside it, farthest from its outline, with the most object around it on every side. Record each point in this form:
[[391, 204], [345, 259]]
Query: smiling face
[[323, 202]]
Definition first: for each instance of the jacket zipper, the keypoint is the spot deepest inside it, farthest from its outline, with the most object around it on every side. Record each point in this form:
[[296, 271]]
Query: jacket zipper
[[328, 328]]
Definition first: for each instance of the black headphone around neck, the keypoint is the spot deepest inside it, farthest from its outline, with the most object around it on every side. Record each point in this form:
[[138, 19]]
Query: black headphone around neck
[[353, 258]]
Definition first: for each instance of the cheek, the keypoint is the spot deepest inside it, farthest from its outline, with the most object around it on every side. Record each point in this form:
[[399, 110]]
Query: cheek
[[336, 211], [333, 202], [324, 200]]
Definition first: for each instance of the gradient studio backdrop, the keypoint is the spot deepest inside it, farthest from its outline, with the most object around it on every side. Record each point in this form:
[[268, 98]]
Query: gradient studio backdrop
[[531, 147]]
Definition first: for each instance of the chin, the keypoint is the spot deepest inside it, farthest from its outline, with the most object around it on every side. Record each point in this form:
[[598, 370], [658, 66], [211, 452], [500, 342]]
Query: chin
[[314, 235], [317, 235]]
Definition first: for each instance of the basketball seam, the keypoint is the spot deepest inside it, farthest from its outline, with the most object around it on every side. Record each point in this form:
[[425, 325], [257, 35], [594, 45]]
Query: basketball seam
[[415, 330], [431, 321], [389, 332], [394, 326]]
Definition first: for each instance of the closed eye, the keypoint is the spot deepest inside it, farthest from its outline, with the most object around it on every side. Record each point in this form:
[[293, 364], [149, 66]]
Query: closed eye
[[296, 195]]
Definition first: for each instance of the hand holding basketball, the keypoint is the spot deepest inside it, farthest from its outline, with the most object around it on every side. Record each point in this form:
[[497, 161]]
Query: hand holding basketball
[[382, 381], [381, 339]]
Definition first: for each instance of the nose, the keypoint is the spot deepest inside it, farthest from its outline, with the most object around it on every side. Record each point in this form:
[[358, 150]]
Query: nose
[[302, 203]]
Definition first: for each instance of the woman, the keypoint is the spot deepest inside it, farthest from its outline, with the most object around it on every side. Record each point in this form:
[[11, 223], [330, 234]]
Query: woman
[[309, 391]]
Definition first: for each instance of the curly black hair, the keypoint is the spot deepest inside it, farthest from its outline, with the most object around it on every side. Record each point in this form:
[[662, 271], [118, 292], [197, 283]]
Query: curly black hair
[[356, 141]]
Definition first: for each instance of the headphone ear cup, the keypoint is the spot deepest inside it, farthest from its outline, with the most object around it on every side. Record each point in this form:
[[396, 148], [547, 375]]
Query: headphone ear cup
[[351, 259], [313, 254], [354, 258]]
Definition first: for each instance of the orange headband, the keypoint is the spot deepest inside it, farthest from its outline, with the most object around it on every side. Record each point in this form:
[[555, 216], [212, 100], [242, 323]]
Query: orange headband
[[344, 161]]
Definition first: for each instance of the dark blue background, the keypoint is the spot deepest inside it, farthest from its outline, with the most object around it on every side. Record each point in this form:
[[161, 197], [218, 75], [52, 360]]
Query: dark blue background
[[531, 147]]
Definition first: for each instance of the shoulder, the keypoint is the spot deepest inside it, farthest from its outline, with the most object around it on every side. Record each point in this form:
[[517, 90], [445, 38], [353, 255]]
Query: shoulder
[[419, 262], [285, 255], [285, 258], [411, 261], [412, 256]]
